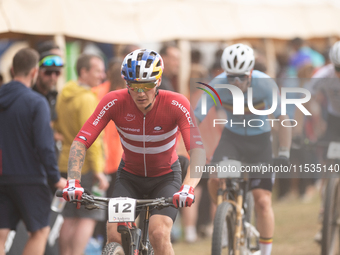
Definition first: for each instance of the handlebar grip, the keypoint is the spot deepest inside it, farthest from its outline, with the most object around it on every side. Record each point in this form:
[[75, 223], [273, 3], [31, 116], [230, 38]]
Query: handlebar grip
[[169, 200], [59, 193]]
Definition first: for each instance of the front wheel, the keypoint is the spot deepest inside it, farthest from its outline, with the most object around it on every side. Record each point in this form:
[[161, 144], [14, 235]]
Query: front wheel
[[113, 249], [224, 229], [330, 244]]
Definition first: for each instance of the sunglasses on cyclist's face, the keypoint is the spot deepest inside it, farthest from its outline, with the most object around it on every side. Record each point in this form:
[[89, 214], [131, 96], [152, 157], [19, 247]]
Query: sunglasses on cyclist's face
[[233, 78], [337, 69], [141, 86], [50, 72], [51, 61]]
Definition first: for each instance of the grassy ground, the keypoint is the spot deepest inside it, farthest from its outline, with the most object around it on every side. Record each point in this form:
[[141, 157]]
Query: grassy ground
[[295, 227]]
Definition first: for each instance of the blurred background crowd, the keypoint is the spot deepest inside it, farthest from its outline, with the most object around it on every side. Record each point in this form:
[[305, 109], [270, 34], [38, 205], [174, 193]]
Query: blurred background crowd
[[285, 49]]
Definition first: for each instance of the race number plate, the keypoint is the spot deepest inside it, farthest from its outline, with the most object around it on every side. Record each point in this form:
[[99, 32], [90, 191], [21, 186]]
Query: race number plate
[[122, 209], [229, 169], [333, 150]]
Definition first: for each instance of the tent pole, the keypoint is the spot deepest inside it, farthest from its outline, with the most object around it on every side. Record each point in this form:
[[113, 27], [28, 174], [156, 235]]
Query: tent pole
[[61, 42], [271, 57], [185, 67]]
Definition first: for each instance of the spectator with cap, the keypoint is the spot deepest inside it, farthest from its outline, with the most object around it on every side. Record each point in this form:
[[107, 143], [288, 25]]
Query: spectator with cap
[[50, 67]]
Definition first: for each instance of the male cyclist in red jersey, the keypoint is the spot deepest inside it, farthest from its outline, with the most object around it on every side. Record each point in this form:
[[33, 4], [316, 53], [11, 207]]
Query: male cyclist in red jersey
[[148, 121]]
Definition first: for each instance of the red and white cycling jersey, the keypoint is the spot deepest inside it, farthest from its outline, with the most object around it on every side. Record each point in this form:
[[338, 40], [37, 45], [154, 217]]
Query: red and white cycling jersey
[[149, 141]]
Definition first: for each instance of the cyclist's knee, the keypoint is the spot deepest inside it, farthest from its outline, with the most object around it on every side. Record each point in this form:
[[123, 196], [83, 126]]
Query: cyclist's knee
[[263, 200], [159, 230], [159, 236]]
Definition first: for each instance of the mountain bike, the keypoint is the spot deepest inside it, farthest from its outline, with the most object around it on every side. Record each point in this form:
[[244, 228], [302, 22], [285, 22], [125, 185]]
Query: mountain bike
[[330, 242], [122, 210], [233, 231], [329, 236]]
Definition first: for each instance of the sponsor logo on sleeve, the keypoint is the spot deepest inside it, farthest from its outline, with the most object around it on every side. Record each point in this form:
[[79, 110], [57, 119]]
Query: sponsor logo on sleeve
[[184, 110], [103, 111]]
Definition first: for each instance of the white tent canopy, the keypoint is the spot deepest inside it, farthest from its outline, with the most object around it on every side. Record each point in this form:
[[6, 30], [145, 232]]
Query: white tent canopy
[[136, 21]]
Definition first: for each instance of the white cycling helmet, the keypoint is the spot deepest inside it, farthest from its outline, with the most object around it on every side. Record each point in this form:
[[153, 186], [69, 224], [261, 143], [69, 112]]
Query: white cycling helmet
[[238, 59], [334, 54]]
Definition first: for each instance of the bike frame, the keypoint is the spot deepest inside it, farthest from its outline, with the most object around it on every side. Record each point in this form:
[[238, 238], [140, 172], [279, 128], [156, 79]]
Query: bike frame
[[224, 194], [133, 240]]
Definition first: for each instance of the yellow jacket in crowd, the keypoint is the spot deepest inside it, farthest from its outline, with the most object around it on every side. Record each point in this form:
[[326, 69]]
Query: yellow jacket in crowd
[[75, 104]]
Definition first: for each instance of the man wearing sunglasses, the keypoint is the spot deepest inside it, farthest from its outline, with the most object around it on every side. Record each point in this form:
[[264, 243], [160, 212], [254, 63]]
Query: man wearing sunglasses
[[148, 121], [249, 143], [50, 67]]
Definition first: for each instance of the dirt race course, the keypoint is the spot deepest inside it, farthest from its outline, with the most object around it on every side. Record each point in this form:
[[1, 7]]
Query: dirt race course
[[295, 227]]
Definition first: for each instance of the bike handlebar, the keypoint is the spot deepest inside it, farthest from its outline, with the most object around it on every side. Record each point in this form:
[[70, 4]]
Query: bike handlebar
[[59, 193]]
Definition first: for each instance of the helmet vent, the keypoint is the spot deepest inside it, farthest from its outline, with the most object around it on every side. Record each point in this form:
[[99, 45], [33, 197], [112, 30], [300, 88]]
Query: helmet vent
[[235, 60], [129, 63], [124, 73], [242, 53], [139, 56], [159, 63], [238, 47], [242, 65], [229, 66], [154, 73], [148, 63], [153, 54], [137, 71], [231, 52], [145, 74], [251, 62], [130, 74]]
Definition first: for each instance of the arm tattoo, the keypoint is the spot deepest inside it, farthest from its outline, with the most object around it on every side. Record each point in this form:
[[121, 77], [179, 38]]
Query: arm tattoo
[[76, 160]]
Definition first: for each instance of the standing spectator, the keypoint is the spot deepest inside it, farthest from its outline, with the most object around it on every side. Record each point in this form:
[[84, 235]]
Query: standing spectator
[[50, 67], [27, 156], [171, 58], [112, 146], [75, 104], [302, 55]]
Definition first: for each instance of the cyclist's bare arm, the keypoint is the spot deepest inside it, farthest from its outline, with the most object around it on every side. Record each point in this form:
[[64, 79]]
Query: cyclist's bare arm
[[285, 134], [76, 160], [197, 158]]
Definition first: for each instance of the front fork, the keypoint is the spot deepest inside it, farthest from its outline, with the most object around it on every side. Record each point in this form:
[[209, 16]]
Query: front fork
[[238, 206], [238, 227], [131, 236]]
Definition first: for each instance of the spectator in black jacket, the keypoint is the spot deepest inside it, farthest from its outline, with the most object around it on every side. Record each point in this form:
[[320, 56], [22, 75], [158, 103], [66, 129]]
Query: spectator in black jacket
[[27, 156]]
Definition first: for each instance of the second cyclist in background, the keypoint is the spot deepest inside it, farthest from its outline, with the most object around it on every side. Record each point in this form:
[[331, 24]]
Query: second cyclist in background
[[246, 140]]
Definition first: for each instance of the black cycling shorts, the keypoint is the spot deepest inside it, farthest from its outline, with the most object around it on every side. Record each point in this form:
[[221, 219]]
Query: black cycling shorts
[[248, 149], [139, 187], [31, 203]]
